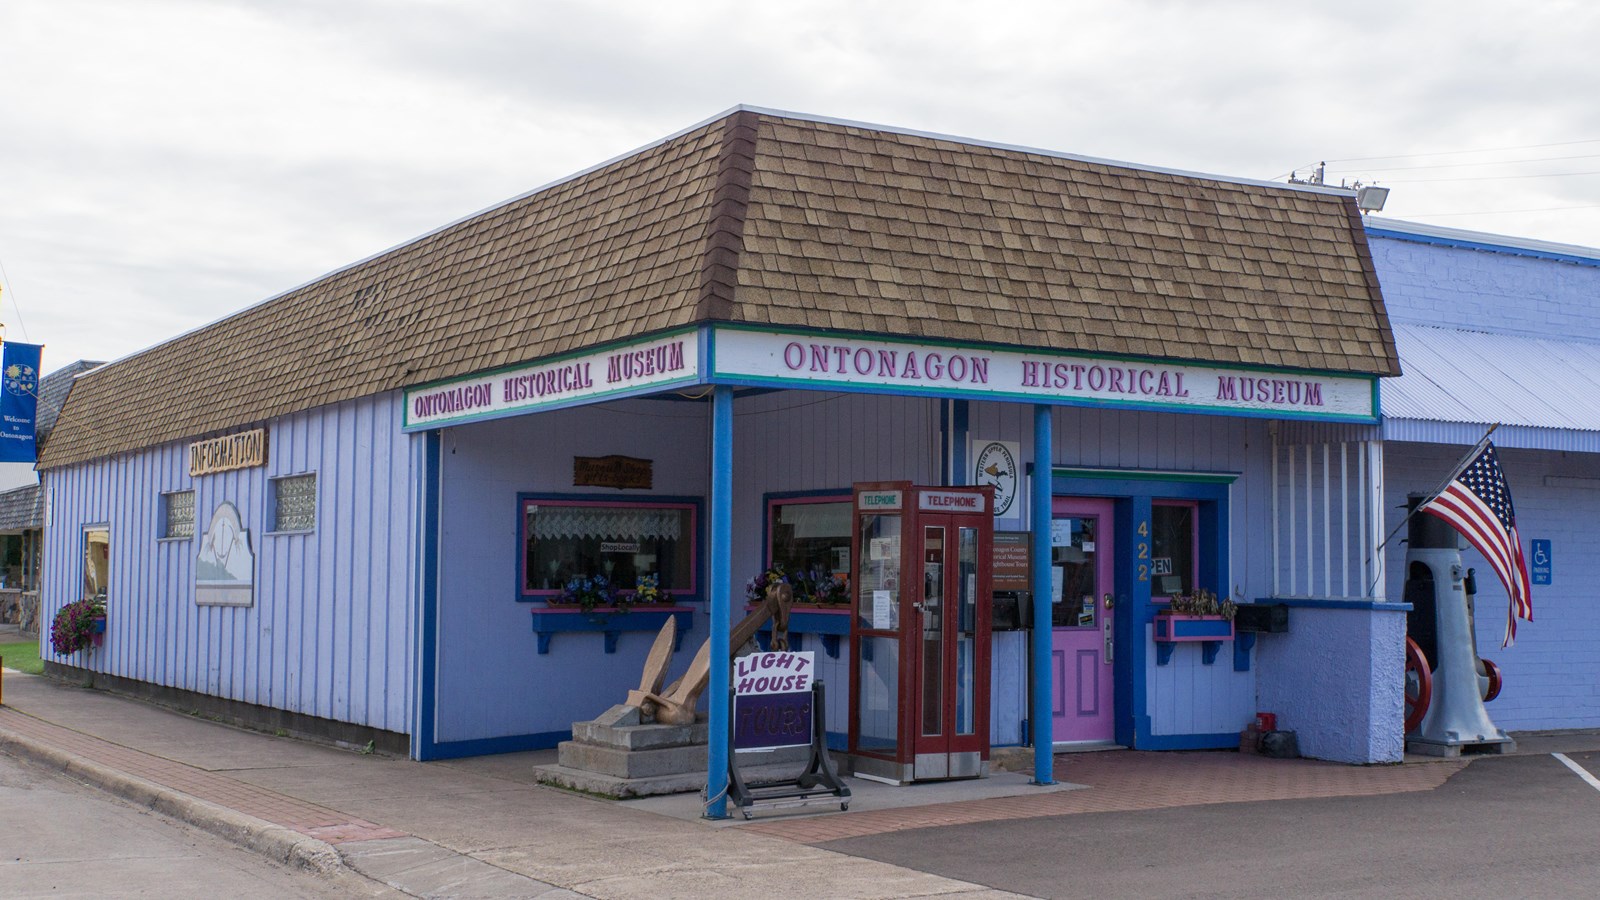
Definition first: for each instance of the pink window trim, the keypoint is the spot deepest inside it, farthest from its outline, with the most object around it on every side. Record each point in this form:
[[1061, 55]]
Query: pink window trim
[[546, 594], [766, 552], [1194, 539]]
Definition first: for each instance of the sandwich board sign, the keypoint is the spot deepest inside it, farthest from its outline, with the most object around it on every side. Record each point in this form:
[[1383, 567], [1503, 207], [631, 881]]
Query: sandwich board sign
[[772, 700]]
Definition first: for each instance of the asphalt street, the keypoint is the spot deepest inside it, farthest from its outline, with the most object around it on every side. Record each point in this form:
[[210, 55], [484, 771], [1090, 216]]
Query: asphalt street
[[1520, 826], [59, 838]]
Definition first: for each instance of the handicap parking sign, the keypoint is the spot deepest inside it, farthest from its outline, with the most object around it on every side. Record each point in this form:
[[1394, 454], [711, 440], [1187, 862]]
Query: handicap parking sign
[[1539, 563]]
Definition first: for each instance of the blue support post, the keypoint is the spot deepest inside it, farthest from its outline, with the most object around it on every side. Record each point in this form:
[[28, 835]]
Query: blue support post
[[721, 566], [1039, 714]]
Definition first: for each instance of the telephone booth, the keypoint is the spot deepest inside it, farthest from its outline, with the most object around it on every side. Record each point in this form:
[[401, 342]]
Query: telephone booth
[[919, 638]]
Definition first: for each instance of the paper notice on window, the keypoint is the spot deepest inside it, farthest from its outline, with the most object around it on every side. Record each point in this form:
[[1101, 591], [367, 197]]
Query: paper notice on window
[[882, 610], [1061, 532], [1058, 578], [879, 549]]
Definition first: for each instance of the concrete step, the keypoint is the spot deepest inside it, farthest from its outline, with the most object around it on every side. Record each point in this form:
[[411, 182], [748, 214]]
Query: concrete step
[[621, 763], [684, 782], [638, 737]]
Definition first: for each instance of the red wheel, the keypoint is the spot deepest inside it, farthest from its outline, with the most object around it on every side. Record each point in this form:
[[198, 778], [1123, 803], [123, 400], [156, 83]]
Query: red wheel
[[1491, 672], [1419, 685]]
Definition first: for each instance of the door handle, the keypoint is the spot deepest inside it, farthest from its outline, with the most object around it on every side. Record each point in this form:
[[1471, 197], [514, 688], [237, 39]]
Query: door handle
[[1105, 630]]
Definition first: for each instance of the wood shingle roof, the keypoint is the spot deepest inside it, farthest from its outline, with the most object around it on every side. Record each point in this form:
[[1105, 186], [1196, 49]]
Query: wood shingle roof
[[768, 218]]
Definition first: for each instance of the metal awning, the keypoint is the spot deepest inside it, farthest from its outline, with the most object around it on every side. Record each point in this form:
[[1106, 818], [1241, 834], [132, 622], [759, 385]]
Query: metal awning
[[1544, 392]]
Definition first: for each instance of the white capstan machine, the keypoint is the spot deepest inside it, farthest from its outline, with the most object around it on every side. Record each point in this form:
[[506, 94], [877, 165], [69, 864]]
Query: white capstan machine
[[1447, 683]]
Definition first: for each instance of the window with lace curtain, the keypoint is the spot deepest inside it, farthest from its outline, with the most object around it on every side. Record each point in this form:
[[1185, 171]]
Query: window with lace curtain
[[562, 539]]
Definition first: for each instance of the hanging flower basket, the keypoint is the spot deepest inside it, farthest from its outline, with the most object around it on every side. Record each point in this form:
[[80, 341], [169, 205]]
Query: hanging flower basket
[[77, 625]]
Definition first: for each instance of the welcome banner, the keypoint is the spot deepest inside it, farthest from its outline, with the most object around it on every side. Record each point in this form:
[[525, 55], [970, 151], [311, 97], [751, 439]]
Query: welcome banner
[[19, 402]]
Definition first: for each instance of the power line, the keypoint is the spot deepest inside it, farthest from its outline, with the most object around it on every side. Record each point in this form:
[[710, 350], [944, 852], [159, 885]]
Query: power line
[[1500, 162], [1486, 178], [14, 305], [1458, 152]]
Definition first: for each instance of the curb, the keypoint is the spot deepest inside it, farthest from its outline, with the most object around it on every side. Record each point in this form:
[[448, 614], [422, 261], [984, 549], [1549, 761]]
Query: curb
[[275, 842]]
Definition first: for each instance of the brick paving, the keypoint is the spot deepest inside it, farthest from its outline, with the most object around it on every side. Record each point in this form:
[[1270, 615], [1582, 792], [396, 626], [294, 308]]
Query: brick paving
[[1124, 781], [1117, 781], [307, 818]]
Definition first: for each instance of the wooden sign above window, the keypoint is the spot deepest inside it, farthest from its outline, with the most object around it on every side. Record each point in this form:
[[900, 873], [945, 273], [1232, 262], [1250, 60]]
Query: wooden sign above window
[[613, 472], [243, 450]]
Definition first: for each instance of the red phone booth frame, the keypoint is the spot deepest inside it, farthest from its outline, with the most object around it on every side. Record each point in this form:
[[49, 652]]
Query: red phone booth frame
[[928, 740]]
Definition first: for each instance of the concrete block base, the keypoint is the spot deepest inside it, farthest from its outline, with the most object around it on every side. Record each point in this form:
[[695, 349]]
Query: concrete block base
[[616, 756], [626, 788]]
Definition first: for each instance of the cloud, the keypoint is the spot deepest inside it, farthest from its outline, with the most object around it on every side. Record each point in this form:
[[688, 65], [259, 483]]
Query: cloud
[[175, 160]]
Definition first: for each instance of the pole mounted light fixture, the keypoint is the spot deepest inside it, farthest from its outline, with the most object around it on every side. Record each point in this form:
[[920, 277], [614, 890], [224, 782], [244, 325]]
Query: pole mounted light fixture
[[1370, 198]]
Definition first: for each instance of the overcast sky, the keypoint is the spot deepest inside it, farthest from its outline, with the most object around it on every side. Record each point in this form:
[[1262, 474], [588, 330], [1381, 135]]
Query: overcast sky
[[166, 162]]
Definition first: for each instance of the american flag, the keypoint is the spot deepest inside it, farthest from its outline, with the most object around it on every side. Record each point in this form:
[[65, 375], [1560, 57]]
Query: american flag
[[1477, 503]]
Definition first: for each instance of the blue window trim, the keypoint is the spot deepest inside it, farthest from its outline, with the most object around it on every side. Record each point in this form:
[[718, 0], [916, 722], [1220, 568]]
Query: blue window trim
[[695, 593], [1134, 494]]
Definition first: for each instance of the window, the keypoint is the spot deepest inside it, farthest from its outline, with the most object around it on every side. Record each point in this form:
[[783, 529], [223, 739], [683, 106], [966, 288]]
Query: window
[[810, 533], [1173, 541], [96, 562], [294, 503], [177, 513], [563, 539]]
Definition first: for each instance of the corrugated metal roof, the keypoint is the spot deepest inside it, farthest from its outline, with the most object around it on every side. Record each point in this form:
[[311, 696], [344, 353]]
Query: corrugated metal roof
[[1453, 376]]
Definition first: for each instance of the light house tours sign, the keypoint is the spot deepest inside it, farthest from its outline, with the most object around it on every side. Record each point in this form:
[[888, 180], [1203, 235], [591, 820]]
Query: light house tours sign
[[798, 360]]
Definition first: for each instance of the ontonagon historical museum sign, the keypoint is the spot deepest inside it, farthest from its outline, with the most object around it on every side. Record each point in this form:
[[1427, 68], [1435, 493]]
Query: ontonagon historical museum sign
[[772, 700]]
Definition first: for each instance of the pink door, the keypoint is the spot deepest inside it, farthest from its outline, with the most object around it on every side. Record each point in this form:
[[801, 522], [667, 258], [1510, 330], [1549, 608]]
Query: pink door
[[1081, 591]]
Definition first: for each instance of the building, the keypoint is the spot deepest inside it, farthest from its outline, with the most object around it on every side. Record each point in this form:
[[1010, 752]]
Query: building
[[678, 363], [1494, 330], [22, 511]]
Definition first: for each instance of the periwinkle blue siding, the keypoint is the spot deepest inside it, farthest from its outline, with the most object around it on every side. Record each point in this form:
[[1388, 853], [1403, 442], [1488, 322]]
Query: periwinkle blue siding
[[329, 632], [1481, 290], [492, 681], [1184, 697], [1335, 680], [493, 684], [803, 441]]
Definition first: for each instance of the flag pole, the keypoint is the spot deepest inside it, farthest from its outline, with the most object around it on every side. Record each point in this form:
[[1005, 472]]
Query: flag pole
[[1460, 464]]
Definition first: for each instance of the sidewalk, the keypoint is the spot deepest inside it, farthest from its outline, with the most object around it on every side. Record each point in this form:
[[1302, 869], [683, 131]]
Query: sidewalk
[[482, 828]]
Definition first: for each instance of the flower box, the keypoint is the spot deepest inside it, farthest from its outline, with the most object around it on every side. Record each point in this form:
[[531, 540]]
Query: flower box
[[829, 621], [1178, 628], [1172, 629], [609, 621]]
